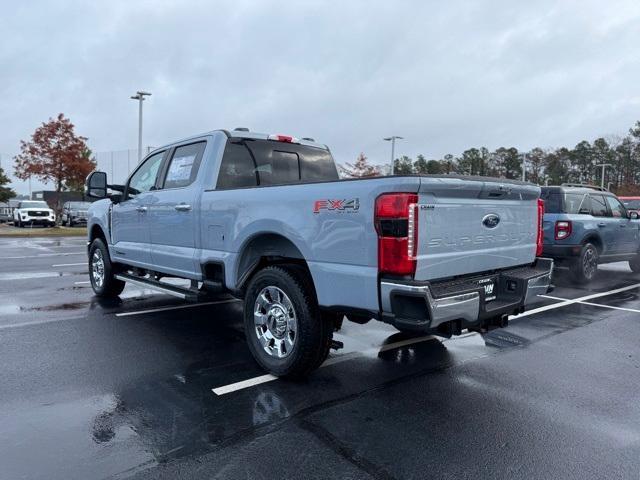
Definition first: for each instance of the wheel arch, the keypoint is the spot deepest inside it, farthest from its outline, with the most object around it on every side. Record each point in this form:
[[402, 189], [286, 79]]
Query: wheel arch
[[96, 231], [595, 240], [265, 249]]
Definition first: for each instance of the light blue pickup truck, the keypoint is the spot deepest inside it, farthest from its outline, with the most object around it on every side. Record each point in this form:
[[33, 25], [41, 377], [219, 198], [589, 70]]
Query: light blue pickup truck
[[266, 218]]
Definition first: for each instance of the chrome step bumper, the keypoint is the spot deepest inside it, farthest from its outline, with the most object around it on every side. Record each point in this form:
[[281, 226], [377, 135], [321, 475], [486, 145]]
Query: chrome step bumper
[[401, 301]]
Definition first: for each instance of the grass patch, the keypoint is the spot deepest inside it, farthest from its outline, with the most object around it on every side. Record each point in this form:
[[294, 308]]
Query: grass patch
[[10, 231]]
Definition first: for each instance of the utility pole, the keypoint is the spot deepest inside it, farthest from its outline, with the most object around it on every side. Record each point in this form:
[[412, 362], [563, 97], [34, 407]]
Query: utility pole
[[603, 165], [393, 139], [140, 97], [524, 167]]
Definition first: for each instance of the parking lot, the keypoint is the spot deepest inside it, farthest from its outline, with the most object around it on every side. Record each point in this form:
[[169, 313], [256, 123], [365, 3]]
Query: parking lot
[[150, 387]]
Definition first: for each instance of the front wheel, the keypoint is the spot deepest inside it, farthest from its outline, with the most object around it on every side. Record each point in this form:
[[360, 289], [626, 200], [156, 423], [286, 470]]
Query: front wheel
[[586, 265], [285, 330], [101, 271]]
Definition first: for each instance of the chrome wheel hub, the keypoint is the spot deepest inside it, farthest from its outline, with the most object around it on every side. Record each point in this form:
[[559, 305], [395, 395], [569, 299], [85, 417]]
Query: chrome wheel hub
[[275, 322], [97, 268]]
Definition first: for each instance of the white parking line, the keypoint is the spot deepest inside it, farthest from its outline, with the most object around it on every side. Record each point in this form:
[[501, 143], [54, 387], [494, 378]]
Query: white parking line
[[69, 264], [565, 302], [175, 307], [84, 282], [611, 307], [234, 387], [46, 255]]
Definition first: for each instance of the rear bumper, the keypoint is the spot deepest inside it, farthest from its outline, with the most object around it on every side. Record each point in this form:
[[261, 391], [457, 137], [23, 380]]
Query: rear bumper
[[561, 251], [423, 306]]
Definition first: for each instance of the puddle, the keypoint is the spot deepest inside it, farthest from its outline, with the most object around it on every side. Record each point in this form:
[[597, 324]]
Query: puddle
[[75, 428], [51, 308]]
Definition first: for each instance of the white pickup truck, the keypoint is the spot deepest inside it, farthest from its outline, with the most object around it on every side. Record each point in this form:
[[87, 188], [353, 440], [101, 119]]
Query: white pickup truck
[[265, 218]]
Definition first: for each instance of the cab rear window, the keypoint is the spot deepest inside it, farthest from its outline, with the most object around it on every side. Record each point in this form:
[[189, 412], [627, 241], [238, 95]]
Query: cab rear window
[[251, 163]]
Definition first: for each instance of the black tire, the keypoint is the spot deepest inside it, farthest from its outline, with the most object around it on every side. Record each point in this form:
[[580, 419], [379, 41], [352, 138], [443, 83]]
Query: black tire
[[313, 332], [585, 267], [110, 286], [634, 264]]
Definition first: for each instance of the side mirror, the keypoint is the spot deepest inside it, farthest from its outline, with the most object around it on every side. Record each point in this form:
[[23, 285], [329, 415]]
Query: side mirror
[[633, 215], [96, 185], [584, 211]]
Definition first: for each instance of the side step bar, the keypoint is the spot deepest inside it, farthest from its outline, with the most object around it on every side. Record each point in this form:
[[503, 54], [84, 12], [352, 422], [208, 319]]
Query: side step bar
[[184, 293]]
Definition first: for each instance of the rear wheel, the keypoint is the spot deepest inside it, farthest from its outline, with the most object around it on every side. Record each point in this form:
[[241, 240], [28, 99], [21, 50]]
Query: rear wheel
[[286, 332], [101, 271], [586, 265]]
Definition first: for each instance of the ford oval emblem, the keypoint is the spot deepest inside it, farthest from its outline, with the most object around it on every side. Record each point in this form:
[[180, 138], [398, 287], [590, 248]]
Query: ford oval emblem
[[491, 221]]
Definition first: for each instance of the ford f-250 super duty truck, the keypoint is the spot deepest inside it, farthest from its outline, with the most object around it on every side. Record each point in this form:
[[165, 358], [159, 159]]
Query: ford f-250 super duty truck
[[266, 218]]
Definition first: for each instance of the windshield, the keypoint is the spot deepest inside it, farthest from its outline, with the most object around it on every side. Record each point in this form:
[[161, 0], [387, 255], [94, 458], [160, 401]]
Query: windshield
[[34, 205], [79, 205]]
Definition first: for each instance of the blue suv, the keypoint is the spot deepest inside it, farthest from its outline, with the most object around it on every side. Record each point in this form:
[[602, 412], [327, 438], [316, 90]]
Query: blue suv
[[586, 225]]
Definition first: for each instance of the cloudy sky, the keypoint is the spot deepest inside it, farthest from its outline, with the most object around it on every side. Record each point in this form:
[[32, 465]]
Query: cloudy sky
[[444, 75]]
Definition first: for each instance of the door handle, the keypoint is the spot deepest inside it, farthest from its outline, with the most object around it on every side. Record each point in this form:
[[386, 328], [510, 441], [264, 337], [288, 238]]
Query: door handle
[[602, 224], [182, 207], [141, 209]]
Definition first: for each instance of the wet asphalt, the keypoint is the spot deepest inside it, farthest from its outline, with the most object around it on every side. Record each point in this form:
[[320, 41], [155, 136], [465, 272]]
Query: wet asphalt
[[124, 389]]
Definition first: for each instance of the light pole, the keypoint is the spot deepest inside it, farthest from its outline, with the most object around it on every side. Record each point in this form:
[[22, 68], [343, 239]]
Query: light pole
[[393, 139], [603, 165], [140, 97], [524, 167]]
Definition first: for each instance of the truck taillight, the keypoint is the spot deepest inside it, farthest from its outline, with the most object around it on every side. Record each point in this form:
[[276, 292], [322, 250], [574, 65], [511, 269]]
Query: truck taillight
[[539, 241], [563, 229], [396, 222]]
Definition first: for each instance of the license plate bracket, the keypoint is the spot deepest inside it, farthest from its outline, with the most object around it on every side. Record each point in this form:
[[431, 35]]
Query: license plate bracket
[[489, 286]]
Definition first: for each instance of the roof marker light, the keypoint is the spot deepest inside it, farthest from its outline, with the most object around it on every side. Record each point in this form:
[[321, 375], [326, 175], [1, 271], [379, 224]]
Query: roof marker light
[[283, 138]]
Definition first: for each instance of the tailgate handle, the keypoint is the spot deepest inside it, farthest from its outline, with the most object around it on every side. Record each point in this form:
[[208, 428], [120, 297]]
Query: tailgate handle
[[497, 191]]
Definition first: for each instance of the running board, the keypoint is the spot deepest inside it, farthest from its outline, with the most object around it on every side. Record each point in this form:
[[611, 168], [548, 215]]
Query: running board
[[184, 293]]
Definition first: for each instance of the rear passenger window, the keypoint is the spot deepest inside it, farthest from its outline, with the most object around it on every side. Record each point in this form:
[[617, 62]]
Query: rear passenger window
[[238, 169], [183, 166], [598, 206], [573, 202]]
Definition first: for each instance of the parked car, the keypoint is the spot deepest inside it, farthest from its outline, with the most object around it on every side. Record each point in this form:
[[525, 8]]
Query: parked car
[[266, 219], [74, 213], [585, 226], [5, 213], [632, 204], [33, 212]]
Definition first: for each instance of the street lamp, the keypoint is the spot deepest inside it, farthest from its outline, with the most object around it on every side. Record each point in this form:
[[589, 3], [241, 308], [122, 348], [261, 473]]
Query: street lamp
[[140, 97], [393, 139], [603, 165]]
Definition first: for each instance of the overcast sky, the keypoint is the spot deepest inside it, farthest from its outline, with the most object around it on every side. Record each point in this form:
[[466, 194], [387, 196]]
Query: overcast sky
[[445, 75]]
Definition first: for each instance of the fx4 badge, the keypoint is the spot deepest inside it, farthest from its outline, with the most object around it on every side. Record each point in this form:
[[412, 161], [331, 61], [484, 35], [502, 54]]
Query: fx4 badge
[[351, 205]]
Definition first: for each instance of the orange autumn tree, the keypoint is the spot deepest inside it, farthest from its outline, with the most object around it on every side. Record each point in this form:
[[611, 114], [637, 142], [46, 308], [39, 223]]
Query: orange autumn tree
[[55, 154]]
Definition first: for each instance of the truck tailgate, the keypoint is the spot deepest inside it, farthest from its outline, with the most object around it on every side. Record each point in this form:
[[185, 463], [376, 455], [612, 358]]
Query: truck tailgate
[[469, 226]]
